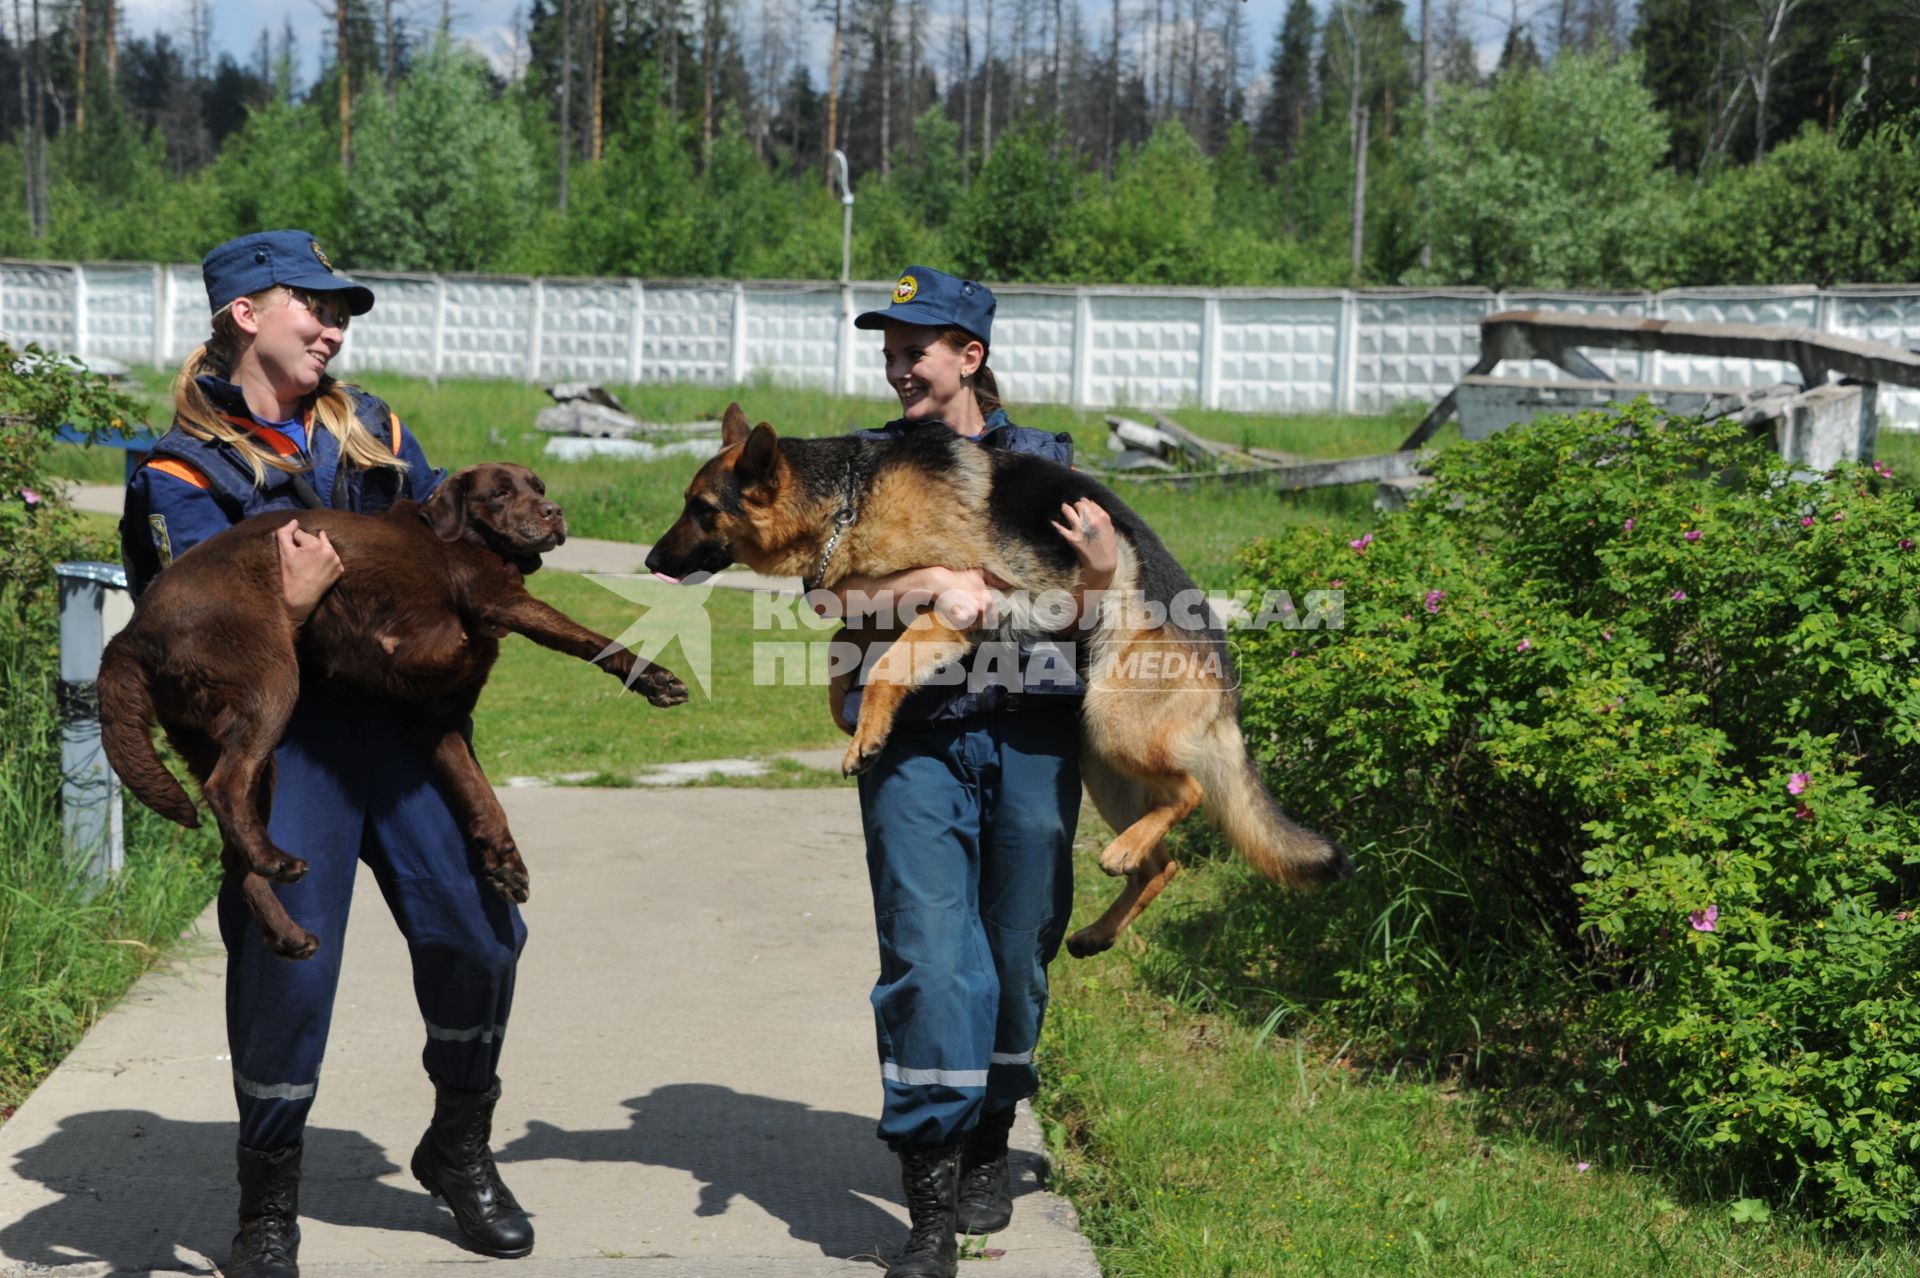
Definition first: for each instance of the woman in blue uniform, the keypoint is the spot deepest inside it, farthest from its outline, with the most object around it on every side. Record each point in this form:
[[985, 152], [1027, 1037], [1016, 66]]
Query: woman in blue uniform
[[260, 426], [969, 816]]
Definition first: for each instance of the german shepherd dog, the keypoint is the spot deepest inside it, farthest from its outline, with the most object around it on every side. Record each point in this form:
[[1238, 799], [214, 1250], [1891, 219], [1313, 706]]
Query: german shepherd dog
[[1160, 723], [428, 593]]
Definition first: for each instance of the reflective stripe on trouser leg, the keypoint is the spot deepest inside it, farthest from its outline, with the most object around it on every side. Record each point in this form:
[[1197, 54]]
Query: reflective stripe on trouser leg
[[463, 937], [1026, 880], [278, 1010], [933, 1003]]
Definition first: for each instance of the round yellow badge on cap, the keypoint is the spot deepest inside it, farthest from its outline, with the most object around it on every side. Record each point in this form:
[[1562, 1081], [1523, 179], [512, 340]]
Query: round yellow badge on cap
[[905, 290], [315, 245]]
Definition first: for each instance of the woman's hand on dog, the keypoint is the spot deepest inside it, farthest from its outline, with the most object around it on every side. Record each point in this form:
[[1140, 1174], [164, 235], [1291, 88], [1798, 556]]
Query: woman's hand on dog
[[963, 597], [308, 568], [1089, 530]]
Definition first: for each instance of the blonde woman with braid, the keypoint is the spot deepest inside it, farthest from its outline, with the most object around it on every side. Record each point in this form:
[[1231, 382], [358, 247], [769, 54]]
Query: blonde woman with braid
[[260, 425]]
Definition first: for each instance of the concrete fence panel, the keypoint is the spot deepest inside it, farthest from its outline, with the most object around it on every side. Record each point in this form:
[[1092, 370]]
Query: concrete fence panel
[[1246, 350], [1796, 307], [1882, 315], [182, 310], [689, 334], [793, 335], [41, 303], [586, 331], [399, 335], [1621, 366], [1278, 354], [1036, 346], [1145, 351], [1413, 347]]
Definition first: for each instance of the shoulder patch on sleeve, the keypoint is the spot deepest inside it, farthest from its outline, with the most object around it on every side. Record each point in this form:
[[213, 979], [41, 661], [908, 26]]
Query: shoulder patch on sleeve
[[162, 543]]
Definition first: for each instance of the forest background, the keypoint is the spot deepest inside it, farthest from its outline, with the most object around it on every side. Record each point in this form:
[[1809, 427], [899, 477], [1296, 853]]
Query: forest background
[[1676, 142]]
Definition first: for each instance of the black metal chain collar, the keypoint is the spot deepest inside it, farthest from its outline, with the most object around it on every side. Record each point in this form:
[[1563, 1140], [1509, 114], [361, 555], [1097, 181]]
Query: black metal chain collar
[[842, 520]]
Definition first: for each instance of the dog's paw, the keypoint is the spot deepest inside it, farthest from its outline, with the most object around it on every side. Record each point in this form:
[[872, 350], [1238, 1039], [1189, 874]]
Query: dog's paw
[[297, 944], [661, 688], [1115, 860], [290, 870], [511, 882], [1084, 944], [860, 756]]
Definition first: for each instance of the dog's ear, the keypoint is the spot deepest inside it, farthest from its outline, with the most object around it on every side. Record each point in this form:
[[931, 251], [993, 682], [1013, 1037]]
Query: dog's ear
[[758, 469], [733, 427], [446, 510]]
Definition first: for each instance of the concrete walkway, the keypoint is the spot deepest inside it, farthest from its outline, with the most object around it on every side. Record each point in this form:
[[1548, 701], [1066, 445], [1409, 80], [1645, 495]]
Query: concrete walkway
[[690, 1085]]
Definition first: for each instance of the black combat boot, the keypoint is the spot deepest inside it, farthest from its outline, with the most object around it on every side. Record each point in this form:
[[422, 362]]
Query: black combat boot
[[268, 1244], [931, 1178], [453, 1162], [986, 1183]]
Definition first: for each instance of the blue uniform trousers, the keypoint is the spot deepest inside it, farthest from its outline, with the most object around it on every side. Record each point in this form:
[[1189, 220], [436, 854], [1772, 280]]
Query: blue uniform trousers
[[351, 789], [969, 828]]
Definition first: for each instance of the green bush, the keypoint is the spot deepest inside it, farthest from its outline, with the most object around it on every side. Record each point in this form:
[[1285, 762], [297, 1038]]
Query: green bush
[[1622, 727], [1814, 211], [68, 947]]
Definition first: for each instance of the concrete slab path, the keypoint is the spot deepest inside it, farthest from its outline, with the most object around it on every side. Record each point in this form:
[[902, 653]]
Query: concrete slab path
[[689, 1080]]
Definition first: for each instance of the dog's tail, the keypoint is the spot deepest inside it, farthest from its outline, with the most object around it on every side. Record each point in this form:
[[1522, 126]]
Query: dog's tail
[[1238, 803], [126, 731]]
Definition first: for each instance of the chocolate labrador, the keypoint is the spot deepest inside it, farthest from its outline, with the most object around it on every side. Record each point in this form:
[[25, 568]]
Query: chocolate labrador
[[428, 592]]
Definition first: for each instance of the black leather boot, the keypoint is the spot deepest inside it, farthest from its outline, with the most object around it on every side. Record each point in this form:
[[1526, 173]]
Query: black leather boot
[[268, 1244], [986, 1183], [931, 1178], [453, 1161]]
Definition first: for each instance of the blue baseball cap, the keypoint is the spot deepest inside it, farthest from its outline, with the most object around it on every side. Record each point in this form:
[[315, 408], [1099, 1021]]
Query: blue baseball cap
[[254, 263], [937, 300]]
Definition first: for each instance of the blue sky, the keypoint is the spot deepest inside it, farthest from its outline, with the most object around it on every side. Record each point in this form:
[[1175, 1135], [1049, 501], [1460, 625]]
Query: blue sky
[[489, 24]]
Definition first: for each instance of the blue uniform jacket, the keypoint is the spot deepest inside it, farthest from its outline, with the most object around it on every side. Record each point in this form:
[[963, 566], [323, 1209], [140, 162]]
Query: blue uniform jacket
[[189, 489], [955, 699]]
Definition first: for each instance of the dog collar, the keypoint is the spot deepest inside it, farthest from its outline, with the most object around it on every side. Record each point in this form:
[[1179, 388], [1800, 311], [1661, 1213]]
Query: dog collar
[[842, 520]]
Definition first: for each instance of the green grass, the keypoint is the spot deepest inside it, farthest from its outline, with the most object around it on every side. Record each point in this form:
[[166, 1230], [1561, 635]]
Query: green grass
[[1194, 1143], [67, 950], [461, 422], [545, 714]]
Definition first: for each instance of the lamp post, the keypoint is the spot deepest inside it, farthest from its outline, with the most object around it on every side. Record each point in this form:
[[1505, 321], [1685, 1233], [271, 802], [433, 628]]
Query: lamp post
[[846, 210]]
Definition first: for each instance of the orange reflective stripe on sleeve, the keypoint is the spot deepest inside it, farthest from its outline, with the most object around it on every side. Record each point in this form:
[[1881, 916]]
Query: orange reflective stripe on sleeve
[[395, 419], [179, 470]]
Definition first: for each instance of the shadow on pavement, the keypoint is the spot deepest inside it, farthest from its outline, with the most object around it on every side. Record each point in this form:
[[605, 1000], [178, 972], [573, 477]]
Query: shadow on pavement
[[814, 1169], [134, 1187]]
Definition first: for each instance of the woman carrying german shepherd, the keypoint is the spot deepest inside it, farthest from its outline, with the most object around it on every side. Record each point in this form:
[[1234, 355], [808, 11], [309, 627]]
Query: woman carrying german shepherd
[[261, 426], [969, 816]]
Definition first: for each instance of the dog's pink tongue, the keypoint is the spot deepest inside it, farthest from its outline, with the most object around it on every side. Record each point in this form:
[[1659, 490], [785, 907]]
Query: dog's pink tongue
[[671, 581]]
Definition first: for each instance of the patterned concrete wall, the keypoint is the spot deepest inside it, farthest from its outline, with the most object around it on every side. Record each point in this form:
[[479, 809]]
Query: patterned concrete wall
[[1413, 347], [1621, 366], [793, 335], [1275, 351], [39, 304], [120, 311], [587, 330], [1033, 346], [397, 336], [1882, 315], [1145, 351], [689, 334], [185, 308], [1799, 308], [1279, 354]]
